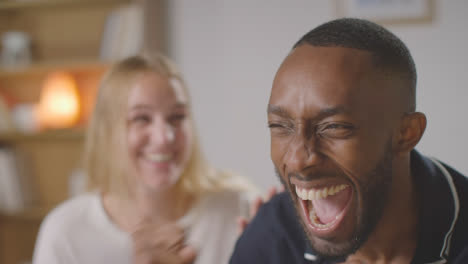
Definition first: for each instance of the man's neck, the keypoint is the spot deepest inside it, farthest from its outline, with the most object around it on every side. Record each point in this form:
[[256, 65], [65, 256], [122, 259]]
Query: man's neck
[[396, 235]]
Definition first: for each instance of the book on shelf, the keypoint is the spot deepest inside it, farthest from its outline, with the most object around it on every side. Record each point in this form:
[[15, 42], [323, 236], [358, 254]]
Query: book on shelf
[[123, 33], [16, 192]]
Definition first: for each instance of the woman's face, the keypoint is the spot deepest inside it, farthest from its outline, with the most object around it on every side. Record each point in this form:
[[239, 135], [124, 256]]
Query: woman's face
[[159, 132]]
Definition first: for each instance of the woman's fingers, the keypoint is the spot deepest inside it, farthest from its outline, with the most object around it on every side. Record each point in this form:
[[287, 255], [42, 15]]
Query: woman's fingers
[[187, 255], [161, 244], [257, 203], [271, 192], [242, 223]]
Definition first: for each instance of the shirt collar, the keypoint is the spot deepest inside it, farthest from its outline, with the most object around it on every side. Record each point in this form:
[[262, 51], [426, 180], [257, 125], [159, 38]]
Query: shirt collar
[[438, 211]]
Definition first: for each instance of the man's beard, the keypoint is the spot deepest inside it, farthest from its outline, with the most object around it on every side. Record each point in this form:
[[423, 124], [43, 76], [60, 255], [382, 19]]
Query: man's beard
[[374, 198]]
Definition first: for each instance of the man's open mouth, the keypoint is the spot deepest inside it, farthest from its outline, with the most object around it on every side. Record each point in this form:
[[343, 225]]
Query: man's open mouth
[[324, 207]]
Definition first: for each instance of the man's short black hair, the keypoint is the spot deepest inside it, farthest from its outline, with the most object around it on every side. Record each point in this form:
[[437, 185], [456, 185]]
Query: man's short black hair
[[388, 51]]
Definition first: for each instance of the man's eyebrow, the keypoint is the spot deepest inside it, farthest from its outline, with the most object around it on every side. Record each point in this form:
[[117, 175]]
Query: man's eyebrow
[[331, 111], [277, 110], [326, 112]]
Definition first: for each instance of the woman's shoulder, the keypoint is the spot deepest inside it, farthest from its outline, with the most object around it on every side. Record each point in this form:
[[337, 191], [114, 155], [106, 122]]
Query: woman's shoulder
[[70, 212], [61, 226], [235, 187], [75, 231], [227, 201], [228, 196]]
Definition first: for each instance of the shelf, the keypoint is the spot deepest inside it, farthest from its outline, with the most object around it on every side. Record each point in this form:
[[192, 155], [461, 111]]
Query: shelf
[[42, 68], [52, 135], [22, 4], [29, 214]]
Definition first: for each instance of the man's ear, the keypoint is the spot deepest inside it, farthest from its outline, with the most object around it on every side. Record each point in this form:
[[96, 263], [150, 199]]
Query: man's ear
[[412, 126]]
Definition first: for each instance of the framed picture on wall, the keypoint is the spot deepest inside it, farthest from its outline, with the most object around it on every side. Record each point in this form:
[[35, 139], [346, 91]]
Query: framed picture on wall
[[388, 11]]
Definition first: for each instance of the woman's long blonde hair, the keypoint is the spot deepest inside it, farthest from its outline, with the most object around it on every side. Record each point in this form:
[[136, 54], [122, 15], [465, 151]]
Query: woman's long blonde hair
[[106, 158]]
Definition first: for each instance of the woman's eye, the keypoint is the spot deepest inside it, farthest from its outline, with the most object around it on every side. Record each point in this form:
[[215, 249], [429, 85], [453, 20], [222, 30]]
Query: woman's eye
[[176, 118], [140, 119]]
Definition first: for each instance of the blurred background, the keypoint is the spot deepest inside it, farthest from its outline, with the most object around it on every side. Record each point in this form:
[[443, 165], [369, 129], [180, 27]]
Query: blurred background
[[229, 52], [53, 53]]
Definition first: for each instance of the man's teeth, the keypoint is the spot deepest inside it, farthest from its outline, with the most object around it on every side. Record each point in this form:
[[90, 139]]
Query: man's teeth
[[315, 194], [158, 157]]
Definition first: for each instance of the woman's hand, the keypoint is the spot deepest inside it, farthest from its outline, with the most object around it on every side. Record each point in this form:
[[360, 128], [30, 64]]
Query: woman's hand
[[161, 244]]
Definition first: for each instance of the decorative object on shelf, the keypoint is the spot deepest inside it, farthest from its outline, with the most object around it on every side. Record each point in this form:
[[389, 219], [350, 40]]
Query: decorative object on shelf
[[388, 11], [59, 105], [15, 49], [15, 192], [123, 33], [24, 118]]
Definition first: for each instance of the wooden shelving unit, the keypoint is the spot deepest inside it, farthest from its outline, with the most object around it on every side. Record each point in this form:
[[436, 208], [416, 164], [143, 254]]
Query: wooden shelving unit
[[31, 214], [51, 135], [43, 68], [8, 5], [66, 36], [50, 156]]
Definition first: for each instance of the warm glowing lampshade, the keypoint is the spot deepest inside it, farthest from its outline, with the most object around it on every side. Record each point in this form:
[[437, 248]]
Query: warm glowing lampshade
[[59, 105]]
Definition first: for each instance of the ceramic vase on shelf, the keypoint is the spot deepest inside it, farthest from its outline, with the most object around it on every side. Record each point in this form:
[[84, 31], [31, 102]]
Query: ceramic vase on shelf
[[15, 49]]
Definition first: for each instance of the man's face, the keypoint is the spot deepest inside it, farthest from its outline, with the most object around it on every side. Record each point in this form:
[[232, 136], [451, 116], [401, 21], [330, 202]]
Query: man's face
[[331, 122]]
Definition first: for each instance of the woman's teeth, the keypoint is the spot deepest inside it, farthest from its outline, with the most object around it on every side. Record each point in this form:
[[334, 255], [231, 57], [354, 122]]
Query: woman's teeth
[[315, 194], [158, 157]]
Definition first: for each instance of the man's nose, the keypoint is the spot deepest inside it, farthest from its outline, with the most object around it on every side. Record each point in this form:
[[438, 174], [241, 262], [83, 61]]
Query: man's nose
[[302, 153]]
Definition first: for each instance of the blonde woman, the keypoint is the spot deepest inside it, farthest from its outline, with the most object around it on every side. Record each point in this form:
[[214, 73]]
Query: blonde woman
[[153, 197]]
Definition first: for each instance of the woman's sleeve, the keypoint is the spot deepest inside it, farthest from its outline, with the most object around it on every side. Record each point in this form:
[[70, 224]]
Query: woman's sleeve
[[51, 244]]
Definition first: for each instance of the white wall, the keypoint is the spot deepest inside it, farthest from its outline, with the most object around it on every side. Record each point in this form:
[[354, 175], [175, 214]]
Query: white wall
[[229, 50]]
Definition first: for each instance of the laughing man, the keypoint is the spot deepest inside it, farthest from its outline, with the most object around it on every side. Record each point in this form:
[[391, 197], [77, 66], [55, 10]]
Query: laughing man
[[343, 124]]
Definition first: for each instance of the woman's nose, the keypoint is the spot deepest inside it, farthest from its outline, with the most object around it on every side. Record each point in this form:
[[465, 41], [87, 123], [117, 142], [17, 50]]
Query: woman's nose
[[162, 133]]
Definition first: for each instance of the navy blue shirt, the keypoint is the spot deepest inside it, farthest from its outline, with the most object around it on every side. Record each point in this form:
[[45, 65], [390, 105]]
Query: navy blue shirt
[[275, 235]]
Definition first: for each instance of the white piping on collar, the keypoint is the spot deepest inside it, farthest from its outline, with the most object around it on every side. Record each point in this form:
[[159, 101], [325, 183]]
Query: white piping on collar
[[446, 248], [443, 261], [310, 257]]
